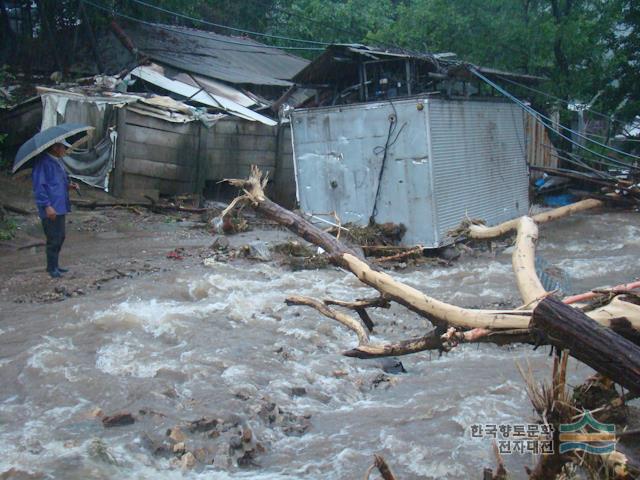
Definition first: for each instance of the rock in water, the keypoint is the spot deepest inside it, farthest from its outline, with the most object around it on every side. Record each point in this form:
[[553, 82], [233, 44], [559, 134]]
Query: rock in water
[[298, 391], [392, 365], [118, 420], [220, 243], [188, 461], [449, 253]]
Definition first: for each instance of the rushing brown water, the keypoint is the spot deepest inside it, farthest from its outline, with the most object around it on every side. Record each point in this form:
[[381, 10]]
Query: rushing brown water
[[219, 342]]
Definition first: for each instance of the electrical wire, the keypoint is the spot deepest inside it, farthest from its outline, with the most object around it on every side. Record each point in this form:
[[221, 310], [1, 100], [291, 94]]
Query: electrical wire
[[549, 124], [218, 25], [621, 152], [549, 95], [393, 124], [193, 34]]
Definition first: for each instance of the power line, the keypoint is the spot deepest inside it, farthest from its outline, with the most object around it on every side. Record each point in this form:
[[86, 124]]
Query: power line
[[610, 161], [546, 94], [549, 125], [193, 34], [218, 25]]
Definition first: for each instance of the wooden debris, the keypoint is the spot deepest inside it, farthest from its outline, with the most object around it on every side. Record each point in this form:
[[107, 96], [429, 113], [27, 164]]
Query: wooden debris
[[482, 232], [618, 289], [501, 471], [412, 252], [346, 320], [380, 463], [599, 347], [153, 206], [14, 209]]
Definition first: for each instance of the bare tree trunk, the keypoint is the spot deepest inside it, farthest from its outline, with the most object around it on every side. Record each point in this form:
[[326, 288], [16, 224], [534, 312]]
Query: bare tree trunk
[[482, 232], [523, 261], [439, 313], [599, 347]]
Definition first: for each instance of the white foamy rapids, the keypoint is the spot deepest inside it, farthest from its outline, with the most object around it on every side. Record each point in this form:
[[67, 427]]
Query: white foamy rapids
[[155, 317], [35, 443], [599, 268], [219, 342], [259, 295], [128, 356], [465, 283], [55, 356]]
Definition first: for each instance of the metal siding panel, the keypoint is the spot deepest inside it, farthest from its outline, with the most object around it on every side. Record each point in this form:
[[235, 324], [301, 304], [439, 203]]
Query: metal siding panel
[[479, 166], [451, 160], [338, 170]]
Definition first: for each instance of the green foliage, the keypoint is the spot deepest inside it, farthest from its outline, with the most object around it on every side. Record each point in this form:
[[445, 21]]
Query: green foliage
[[589, 49], [623, 92], [350, 21]]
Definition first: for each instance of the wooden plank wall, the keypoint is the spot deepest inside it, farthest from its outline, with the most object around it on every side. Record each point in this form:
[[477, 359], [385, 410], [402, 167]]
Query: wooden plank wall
[[540, 150], [154, 154], [284, 184], [174, 158], [233, 145]]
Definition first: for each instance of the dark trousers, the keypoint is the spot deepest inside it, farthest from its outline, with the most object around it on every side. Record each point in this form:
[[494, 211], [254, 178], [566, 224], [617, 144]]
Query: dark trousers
[[54, 230]]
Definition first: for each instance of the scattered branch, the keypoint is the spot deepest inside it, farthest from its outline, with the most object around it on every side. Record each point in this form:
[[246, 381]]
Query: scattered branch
[[482, 232], [344, 319], [383, 468]]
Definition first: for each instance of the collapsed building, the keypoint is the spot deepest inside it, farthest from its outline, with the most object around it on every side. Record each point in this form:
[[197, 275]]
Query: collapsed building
[[182, 109], [362, 134], [417, 139]]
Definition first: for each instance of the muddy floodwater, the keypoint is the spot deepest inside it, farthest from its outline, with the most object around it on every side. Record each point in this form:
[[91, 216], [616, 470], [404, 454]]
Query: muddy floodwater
[[218, 342]]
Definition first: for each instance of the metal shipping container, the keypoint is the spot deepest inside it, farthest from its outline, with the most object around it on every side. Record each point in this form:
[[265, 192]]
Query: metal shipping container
[[446, 160]]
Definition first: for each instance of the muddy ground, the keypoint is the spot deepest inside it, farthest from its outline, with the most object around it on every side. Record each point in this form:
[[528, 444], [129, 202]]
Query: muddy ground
[[107, 244]]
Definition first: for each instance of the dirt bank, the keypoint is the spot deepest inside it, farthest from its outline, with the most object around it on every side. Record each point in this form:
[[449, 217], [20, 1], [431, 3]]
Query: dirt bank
[[102, 245]]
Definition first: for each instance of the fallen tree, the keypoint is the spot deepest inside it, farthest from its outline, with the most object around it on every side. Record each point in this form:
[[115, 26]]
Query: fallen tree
[[482, 232], [599, 347], [540, 320], [443, 316]]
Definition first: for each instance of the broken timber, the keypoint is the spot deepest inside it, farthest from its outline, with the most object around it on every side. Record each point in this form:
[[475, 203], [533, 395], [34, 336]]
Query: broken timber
[[599, 347], [482, 232], [481, 325]]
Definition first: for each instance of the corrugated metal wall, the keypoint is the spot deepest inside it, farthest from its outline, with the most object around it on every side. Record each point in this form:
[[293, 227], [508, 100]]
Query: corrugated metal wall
[[478, 162], [339, 153], [446, 160]]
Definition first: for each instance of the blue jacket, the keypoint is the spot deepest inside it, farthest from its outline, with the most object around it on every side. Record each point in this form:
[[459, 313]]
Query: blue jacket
[[50, 185]]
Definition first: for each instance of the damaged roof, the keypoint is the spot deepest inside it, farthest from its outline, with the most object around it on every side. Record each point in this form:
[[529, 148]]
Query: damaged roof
[[235, 60], [329, 67]]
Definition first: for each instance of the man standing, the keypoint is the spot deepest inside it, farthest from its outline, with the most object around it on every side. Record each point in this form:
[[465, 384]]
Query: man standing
[[51, 187]]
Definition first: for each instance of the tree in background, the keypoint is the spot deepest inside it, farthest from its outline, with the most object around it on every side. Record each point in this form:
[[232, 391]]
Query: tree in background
[[623, 91], [587, 48]]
